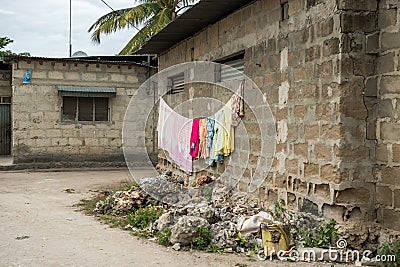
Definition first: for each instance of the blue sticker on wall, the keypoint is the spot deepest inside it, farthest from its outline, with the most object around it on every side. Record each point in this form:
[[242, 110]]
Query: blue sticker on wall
[[27, 77]]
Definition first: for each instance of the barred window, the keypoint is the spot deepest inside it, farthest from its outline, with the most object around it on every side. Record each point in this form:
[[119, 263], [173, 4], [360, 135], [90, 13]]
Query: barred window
[[85, 109]]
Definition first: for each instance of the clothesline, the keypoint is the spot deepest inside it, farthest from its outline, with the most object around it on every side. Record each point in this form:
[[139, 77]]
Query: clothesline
[[209, 138]]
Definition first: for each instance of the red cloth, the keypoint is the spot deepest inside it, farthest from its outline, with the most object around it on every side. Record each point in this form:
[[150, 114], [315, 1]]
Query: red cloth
[[194, 139]]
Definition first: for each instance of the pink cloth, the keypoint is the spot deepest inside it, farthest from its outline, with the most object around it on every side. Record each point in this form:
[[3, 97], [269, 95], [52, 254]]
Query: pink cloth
[[174, 135], [164, 127], [194, 139], [180, 153]]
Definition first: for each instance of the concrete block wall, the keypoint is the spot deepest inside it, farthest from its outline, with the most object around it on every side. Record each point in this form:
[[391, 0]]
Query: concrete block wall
[[39, 135], [385, 88], [297, 65]]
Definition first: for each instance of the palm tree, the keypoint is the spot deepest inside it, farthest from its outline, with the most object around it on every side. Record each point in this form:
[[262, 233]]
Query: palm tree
[[150, 15]]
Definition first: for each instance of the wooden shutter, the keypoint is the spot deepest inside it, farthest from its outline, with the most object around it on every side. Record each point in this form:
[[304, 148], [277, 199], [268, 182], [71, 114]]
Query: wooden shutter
[[85, 109], [101, 109], [69, 108]]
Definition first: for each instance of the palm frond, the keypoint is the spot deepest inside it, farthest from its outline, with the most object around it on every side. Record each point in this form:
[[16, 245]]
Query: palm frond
[[153, 26], [123, 18]]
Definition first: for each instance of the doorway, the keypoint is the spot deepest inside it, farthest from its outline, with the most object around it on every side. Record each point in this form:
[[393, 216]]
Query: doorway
[[5, 126]]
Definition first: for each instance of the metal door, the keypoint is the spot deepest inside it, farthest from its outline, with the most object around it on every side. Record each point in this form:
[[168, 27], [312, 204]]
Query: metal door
[[5, 129]]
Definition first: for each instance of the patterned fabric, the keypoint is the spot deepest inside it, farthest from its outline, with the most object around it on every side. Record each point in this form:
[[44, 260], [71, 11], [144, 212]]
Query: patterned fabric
[[238, 105], [209, 140], [202, 139], [194, 139], [229, 132]]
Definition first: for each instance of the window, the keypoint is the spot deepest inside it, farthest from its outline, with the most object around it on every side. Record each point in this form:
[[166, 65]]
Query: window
[[284, 10], [230, 69], [176, 84], [85, 109], [5, 100]]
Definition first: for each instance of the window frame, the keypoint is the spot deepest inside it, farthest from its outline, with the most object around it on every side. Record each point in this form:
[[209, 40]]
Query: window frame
[[232, 59], [76, 116], [284, 10], [176, 83]]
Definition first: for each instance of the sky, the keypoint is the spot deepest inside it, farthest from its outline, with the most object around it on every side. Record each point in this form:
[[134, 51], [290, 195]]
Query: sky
[[42, 27]]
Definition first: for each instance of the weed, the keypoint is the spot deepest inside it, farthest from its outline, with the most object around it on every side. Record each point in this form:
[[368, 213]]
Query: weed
[[203, 239], [240, 240], [164, 237], [256, 247], [278, 211], [207, 191], [143, 217], [386, 250], [88, 205], [320, 237], [215, 248]]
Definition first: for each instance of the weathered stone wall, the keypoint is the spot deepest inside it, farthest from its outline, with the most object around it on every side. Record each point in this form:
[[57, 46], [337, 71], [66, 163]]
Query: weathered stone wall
[[331, 74], [385, 92], [39, 135], [297, 65], [5, 82]]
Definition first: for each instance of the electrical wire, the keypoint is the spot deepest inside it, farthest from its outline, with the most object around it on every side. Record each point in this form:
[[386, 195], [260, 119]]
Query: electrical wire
[[110, 7]]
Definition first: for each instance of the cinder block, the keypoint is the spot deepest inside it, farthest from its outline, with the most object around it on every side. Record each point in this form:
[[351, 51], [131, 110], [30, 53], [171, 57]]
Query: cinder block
[[390, 175], [390, 84], [384, 195], [386, 63], [353, 196], [390, 40], [359, 5], [56, 75], [389, 131], [387, 17], [358, 22]]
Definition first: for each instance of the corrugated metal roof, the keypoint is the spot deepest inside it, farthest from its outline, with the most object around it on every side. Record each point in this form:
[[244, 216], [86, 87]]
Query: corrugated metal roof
[[78, 91], [201, 15], [139, 60]]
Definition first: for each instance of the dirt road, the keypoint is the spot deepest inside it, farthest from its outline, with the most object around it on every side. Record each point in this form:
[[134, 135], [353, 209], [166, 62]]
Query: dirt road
[[40, 227]]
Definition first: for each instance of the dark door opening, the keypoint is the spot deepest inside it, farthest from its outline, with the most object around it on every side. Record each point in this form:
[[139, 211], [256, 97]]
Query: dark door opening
[[5, 129]]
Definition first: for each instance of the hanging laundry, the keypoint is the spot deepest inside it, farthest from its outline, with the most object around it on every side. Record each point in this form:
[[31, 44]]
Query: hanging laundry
[[194, 139], [211, 138], [164, 129], [174, 135], [219, 136], [181, 155], [209, 141], [238, 104], [202, 139], [229, 131]]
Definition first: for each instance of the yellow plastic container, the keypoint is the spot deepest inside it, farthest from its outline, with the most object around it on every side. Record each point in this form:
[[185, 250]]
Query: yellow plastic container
[[274, 239]]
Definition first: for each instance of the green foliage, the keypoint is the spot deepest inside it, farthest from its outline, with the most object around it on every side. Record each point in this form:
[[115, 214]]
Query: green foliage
[[321, 236], [213, 248], [4, 41], [240, 240], [279, 209], [390, 249], [203, 239], [256, 247], [207, 192], [164, 237], [143, 217], [150, 15]]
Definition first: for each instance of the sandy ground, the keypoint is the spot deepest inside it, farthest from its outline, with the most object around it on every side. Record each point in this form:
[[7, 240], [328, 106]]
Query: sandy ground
[[40, 227]]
